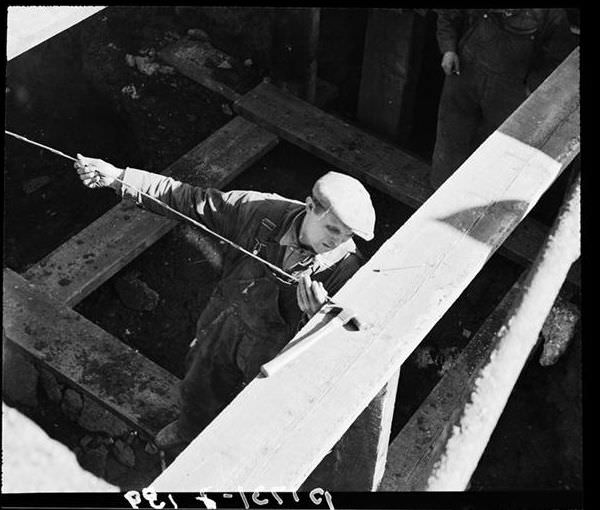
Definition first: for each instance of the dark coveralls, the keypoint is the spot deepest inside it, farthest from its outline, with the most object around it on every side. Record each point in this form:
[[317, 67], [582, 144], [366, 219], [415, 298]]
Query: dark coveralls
[[503, 54], [252, 313]]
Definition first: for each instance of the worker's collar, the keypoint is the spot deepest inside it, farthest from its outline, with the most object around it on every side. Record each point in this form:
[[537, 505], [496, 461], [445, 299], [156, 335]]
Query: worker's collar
[[291, 239]]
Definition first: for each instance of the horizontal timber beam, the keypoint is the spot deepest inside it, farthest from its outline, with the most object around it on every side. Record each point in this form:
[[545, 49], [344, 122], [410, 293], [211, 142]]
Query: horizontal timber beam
[[30, 25], [293, 418], [113, 374], [419, 445], [516, 340]]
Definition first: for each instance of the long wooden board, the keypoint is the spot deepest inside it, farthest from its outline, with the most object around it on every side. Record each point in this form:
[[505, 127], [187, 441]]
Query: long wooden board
[[518, 337], [88, 259], [199, 61], [99, 364], [294, 417], [30, 25], [414, 451], [378, 163]]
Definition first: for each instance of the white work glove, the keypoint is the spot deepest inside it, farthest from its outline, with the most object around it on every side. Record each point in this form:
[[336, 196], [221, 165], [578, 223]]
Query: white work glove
[[96, 173]]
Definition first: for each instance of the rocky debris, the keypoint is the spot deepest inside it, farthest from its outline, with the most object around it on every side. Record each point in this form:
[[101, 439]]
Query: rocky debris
[[558, 330], [19, 377], [85, 441], [72, 404], [52, 388], [94, 459], [446, 358], [135, 294], [422, 357], [171, 36], [32, 185], [130, 91], [116, 473], [96, 418], [146, 65], [130, 59], [225, 65], [142, 64], [150, 448], [124, 453], [441, 359], [148, 52], [197, 34], [131, 437]]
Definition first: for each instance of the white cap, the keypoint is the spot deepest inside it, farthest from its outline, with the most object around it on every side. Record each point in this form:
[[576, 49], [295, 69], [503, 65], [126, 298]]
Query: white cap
[[348, 199]]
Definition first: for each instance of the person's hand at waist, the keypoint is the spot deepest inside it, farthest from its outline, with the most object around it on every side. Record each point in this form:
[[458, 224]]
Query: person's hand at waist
[[311, 295], [96, 173], [450, 63]]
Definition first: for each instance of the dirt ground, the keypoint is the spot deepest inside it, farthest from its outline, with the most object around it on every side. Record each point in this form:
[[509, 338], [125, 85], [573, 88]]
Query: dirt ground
[[69, 93]]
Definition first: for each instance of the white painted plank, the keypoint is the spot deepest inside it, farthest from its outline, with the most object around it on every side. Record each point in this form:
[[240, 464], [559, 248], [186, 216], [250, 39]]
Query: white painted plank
[[30, 25], [515, 341]]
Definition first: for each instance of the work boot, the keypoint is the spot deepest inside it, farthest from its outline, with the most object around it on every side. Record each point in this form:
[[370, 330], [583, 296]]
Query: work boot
[[172, 436]]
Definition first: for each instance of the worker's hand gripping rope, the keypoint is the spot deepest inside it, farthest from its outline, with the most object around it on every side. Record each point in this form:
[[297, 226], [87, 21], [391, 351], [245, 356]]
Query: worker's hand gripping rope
[[96, 173]]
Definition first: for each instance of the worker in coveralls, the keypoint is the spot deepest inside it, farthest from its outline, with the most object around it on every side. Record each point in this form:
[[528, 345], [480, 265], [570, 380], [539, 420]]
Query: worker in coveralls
[[493, 59], [253, 312]]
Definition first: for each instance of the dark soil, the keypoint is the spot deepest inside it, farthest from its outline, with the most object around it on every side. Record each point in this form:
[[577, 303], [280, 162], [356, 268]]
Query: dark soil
[[67, 93]]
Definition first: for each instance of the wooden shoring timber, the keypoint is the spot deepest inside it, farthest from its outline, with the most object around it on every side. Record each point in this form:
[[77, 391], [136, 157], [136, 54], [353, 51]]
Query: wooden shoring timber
[[116, 376], [419, 445], [30, 25], [191, 57], [378, 163], [517, 337], [358, 460], [294, 417], [91, 257], [391, 64]]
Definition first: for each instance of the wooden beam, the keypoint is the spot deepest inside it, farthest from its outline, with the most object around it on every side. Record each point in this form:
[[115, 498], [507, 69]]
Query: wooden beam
[[293, 418], [88, 259], [113, 374], [314, 20], [517, 338], [391, 63], [29, 25], [197, 61], [379, 164], [420, 443], [357, 462]]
